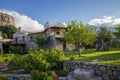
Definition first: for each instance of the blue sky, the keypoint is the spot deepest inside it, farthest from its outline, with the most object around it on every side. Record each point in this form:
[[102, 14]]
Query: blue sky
[[63, 10]]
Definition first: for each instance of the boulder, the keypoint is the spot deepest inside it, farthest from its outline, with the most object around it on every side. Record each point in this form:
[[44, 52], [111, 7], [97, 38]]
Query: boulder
[[70, 76], [82, 74]]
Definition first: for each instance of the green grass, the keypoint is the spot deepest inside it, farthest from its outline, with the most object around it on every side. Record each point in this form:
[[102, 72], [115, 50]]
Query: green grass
[[111, 57]]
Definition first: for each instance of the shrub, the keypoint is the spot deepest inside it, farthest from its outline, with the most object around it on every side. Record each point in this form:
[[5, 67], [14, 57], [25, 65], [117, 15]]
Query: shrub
[[4, 77], [15, 49], [41, 75], [72, 58], [38, 59], [115, 44], [64, 72], [16, 62], [6, 57]]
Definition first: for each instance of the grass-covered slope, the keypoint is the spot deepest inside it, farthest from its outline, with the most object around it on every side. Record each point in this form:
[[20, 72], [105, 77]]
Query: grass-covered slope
[[102, 57]]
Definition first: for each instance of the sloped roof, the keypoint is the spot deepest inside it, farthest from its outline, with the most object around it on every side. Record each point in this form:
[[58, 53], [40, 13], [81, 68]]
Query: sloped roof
[[35, 33], [19, 33], [58, 25]]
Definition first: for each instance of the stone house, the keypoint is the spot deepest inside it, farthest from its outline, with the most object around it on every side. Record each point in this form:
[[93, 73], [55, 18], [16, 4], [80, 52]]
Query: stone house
[[24, 39], [54, 32]]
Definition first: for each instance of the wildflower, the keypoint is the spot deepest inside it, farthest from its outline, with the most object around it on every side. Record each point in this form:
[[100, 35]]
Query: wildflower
[[49, 73], [42, 70], [55, 78], [34, 70]]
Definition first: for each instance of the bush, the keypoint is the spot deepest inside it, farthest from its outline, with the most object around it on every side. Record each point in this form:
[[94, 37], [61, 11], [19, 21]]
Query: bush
[[115, 44], [16, 62], [41, 60], [6, 57], [15, 49], [4, 77], [64, 72], [41, 75], [72, 58]]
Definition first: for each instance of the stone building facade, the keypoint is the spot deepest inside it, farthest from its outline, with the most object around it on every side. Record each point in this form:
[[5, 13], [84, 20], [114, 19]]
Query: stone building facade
[[55, 33], [24, 39]]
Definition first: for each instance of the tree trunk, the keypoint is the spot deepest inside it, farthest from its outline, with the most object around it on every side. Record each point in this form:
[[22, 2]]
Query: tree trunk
[[78, 49]]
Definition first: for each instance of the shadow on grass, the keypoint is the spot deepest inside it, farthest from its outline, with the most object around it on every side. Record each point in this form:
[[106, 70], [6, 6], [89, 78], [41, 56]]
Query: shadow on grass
[[74, 53]]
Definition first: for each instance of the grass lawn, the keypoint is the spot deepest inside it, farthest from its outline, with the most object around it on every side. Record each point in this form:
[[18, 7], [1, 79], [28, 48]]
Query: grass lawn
[[102, 57]]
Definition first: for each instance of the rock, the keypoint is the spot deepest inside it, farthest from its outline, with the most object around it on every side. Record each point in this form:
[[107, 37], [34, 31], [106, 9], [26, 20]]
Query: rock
[[97, 78], [6, 19], [102, 68], [71, 76], [115, 73], [81, 74], [105, 77], [4, 69], [62, 78], [98, 72], [109, 72]]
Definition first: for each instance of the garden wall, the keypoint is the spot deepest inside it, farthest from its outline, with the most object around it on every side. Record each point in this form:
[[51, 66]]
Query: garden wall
[[107, 72]]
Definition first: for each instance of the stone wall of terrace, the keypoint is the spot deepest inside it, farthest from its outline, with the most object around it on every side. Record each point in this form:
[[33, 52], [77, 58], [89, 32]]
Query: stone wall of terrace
[[107, 72]]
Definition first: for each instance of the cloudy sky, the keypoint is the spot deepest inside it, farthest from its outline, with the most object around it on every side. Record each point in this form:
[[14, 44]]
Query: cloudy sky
[[31, 15]]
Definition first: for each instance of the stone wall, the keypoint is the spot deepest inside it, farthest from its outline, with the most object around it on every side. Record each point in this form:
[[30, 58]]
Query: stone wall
[[107, 72]]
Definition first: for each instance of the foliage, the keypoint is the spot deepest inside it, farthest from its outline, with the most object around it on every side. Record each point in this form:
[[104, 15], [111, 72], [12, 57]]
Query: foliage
[[4, 77], [15, 49], [41, 41], [16, 62], [6, 57], [104, 39], [118, 31], [41, 60], [65, 72], [9, 30], [115, 43], [41, 75], [80, 34], [4, 35], [72, 58]]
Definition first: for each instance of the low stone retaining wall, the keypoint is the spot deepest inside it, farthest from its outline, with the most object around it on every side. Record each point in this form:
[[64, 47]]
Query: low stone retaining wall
[[19, 76], [107, 72]]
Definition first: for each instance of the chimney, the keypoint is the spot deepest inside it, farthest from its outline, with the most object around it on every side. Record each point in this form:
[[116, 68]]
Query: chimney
[[47, 25], [19, 29]]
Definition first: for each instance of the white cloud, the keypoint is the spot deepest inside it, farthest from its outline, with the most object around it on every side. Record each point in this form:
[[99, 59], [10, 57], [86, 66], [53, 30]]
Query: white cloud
[[26, 23], [108, 21]]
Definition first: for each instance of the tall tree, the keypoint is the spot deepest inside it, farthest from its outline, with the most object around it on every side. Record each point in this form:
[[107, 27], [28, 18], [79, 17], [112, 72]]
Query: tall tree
[[104, 39], [118, 31], [79, 34], [8, 31]]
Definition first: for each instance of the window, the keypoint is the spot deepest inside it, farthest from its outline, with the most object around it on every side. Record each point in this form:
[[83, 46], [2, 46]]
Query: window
[[23, 38], [31, 37], [16, 40], [57, 32]]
